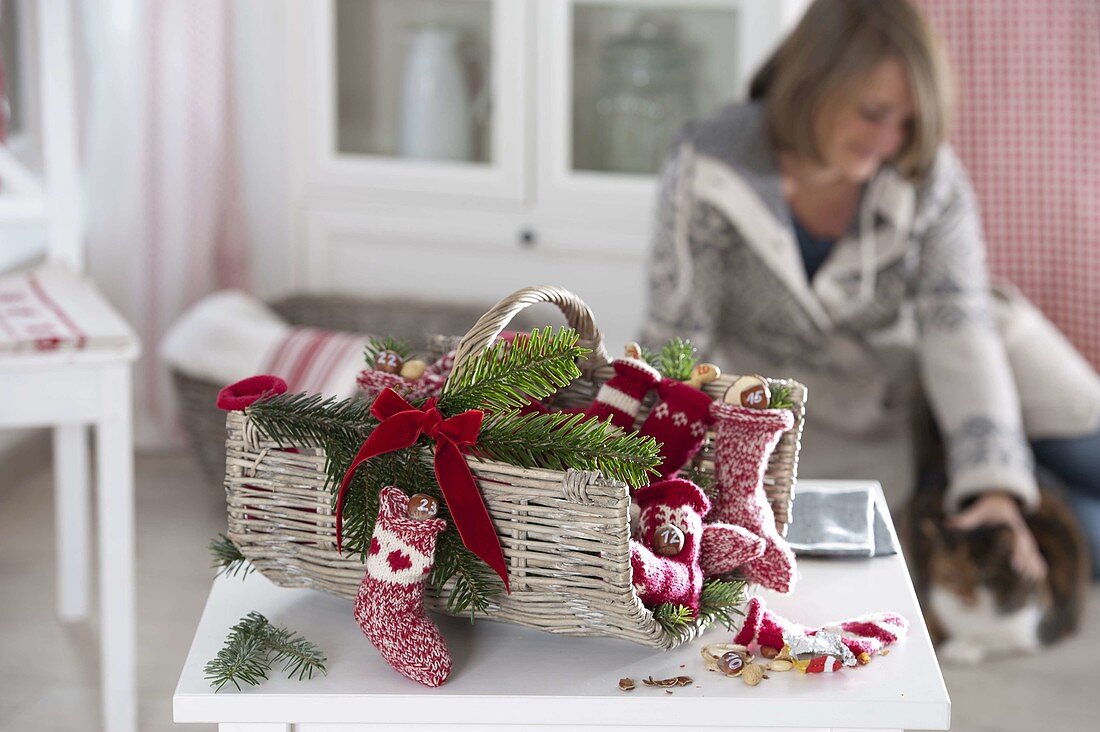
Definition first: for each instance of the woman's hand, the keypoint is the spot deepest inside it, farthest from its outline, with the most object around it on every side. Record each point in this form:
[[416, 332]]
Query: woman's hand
[[995, 508]]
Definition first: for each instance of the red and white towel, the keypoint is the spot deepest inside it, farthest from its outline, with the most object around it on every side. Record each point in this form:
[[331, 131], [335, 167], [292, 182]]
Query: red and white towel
[[51, 309], [230, 335]]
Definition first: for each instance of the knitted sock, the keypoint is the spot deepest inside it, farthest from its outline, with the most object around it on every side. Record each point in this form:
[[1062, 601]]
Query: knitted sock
[[390, 604], [868, 634], [679, 422], [675, 578], [745, 440], [766, 628], [621, 397], [726, 547], [864, 636]]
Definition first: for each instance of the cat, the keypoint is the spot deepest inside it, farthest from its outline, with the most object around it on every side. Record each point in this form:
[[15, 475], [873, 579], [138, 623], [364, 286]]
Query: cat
[[975, 604]]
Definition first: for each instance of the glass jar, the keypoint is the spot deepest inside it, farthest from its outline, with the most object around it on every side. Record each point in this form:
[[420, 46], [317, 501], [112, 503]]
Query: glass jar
[[646, 95]]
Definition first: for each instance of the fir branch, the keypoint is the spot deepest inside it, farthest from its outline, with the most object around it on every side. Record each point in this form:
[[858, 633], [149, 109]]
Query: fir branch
[[376, 345], [228, 559], [506, 375], [781, 398], [701, 478], [677, 359], [560, 441], [253, 645], [673, 618], [312, 419], [299, 657], [474, 582], [721, 602]]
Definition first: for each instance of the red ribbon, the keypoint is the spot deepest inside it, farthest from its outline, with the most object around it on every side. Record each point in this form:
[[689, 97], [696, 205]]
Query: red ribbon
[[401, 425]]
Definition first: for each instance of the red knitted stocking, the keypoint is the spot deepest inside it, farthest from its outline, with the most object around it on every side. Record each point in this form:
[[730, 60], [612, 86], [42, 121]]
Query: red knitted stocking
[[868, 634], [620, 398], [726, 547], [674, 578], [390, 604], [865, 635], [679, 422], [745, 439], [766, 628]]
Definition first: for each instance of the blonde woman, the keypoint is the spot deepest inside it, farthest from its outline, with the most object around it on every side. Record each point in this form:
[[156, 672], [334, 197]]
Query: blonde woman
[[824, 231]]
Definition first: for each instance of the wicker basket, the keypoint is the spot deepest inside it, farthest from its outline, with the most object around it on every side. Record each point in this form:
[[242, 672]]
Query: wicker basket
[[408, 320], [565, 535]]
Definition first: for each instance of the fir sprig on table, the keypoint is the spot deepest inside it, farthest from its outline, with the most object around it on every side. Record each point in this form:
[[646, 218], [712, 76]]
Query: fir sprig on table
[[507, 374], [560, 441], [720, 602], [228, 559], [254, 646]]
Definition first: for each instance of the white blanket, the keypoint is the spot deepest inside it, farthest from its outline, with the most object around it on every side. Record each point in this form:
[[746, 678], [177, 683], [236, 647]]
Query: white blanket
[[230, 335]]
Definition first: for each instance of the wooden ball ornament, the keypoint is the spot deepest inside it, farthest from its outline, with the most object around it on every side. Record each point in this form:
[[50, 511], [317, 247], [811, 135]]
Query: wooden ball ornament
[[413, 369], [422, 506], [749, 391], [668, 540], [388, 362], [633, 350]]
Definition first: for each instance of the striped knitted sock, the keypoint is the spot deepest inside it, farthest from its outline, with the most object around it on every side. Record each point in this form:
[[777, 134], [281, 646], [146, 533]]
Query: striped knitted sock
[[868, 634], [390, 604], [621, 397]]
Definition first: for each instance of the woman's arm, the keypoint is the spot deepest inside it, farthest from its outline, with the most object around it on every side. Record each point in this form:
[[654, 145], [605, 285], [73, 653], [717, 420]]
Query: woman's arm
[[964, 368], [688, 270]]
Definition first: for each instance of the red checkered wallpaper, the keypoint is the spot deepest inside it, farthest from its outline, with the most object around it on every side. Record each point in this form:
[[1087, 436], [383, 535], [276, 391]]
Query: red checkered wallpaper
[[1028, 130]]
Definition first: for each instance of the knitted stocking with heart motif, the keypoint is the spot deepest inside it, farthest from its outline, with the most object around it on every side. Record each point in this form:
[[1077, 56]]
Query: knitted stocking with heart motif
[[679, 422], [744, 440], [675, 578], [390, 604]]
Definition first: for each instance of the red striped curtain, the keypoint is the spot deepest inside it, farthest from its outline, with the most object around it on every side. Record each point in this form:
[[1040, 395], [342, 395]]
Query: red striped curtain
[[1028, 130]]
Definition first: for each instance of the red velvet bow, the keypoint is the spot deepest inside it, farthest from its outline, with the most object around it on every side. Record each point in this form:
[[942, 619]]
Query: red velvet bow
[[400, 426]]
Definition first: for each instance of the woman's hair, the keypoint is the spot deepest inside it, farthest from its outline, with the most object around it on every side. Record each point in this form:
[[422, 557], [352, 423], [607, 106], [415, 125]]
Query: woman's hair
[[836, 46]]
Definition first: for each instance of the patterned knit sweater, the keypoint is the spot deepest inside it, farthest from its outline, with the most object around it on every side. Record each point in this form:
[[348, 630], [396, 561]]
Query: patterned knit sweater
[[897, 320]]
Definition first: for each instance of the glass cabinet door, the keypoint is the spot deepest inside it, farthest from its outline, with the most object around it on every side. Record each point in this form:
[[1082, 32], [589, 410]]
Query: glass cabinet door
[[630, 73], [421, 95]]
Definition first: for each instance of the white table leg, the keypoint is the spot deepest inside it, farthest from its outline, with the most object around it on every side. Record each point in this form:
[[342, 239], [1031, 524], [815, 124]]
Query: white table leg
[[115, 483], [72, 520]]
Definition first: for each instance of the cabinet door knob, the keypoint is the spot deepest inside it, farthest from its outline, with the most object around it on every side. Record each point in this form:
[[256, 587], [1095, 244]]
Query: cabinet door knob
[[527, 238]]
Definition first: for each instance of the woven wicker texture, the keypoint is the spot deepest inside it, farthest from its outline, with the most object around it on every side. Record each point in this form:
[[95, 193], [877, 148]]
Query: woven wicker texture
[[565, 535]]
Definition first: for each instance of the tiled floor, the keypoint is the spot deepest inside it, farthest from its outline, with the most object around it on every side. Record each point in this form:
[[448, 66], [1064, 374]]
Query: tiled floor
[[53, 685]]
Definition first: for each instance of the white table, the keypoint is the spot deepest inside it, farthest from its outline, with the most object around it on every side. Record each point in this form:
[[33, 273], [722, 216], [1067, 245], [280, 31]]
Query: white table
[[507, 677]]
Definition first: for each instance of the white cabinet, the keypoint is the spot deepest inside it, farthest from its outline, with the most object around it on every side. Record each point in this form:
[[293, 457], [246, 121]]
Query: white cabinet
[[541, 169]]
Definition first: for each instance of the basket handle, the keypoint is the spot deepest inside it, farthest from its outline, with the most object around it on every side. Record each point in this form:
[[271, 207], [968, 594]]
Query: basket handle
[[489, 326]]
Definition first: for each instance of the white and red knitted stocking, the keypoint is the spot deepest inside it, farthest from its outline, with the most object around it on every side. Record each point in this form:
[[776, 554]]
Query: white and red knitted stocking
[[744, 440], [865, 635], [390, 604], [766, 628], [679, 422], [726, 547], [672, 577], [620, 398], [868, 634]]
